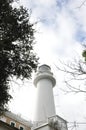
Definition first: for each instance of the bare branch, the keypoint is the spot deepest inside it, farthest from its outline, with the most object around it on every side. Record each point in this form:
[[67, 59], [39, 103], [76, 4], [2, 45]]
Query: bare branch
[[76, 71], [83, 3], [76, 90]]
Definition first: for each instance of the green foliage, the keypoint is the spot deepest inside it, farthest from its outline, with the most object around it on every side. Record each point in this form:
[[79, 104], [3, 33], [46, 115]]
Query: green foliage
[[84, 54], [16, 47]]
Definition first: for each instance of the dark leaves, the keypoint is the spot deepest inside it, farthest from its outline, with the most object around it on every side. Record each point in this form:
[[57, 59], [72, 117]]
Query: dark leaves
[[16, 46]]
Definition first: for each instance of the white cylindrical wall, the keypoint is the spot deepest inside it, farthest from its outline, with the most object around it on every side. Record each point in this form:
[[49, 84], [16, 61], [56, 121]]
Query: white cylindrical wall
[[45, 107]]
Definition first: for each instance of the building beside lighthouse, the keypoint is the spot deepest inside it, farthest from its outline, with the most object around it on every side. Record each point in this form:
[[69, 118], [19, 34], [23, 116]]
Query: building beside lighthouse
[[45, 117], [11, 121]]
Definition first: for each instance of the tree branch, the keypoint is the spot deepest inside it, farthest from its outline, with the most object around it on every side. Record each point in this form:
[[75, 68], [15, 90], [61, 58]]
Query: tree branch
[[76, 71], [83, 3]]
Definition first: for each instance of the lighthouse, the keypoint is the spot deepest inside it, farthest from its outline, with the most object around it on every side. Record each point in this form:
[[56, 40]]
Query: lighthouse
[[45, 117], [44, 82]]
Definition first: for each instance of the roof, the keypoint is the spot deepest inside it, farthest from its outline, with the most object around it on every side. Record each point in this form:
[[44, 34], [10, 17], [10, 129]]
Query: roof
[[18, 118], [58, 117], [43, 125]]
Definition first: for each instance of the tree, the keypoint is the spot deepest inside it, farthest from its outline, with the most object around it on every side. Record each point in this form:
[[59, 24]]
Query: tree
[[16, 47]]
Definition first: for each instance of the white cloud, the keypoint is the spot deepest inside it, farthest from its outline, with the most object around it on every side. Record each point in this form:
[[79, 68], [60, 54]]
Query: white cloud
[[44, 3]]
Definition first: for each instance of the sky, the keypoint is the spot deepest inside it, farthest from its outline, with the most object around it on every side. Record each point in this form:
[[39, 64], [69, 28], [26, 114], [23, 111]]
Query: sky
[[61, 30]]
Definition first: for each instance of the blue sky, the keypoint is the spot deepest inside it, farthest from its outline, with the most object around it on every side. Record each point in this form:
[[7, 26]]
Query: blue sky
[[60, 31]]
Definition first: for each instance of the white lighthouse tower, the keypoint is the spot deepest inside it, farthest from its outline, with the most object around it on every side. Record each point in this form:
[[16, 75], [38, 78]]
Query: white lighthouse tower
[[44, 81], [45, 117]]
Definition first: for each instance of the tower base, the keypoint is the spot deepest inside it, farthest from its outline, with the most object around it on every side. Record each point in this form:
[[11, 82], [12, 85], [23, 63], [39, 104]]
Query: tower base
[[52, 123]]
